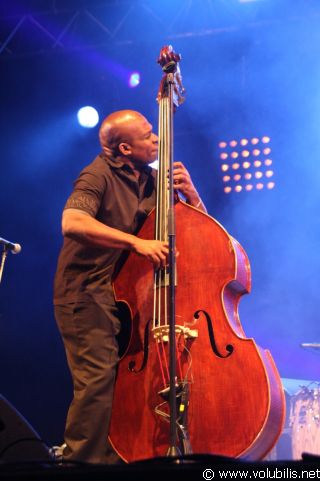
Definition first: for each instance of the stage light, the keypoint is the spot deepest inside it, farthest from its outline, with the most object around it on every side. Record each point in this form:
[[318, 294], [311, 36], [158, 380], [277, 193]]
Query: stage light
[[134, 79], [245, 170], [88, 117], [155, 164]]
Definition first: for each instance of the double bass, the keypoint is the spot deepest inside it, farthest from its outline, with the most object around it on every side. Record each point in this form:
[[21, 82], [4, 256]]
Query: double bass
[[228, 397]]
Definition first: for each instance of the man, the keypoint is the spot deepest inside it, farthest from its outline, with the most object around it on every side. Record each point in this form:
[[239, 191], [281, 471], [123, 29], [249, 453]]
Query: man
[[111, 198]]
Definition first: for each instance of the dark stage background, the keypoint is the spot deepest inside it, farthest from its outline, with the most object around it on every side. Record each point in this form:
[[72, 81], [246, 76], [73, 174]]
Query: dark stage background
[[250, 69]]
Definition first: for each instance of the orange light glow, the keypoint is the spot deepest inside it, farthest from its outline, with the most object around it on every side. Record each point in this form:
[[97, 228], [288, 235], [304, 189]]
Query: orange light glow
[[226, 178], [265, 139], [249, 187], [222, 145], [248, 176], [254, 141], [238, 188], [256, 152], [257, 163], [259, 186], [224, 167], [268, 162], [245, 153], [233, 143], [224, 155], [270, 185], [258, 175], [234, 155], [246, 165], [269, 173], [267, 151], [237, 177], [243, 141], [227, 189], [235, 166]]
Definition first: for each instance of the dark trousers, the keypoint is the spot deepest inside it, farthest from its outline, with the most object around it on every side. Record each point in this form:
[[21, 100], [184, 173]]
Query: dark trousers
[[88, 331]]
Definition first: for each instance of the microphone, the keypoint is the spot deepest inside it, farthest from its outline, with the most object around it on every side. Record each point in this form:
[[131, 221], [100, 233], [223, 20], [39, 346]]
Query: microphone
[[14, 248]]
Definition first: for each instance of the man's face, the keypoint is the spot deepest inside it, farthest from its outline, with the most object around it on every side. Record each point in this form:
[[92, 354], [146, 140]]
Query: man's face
[[143, 142]]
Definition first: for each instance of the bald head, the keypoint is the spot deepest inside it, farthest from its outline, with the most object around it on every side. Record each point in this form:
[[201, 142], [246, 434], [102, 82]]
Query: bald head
[[127, 136], [117, 128]]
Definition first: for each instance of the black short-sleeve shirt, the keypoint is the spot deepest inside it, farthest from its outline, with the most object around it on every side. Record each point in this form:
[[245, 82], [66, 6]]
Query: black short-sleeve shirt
[[109, 191]]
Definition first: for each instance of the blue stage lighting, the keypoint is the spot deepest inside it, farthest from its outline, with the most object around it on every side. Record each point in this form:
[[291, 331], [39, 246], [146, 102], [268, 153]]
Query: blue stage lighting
[[134, 79], [88, 117]]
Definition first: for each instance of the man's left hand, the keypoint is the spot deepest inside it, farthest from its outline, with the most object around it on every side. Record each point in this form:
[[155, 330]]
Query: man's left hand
[[183, 183]]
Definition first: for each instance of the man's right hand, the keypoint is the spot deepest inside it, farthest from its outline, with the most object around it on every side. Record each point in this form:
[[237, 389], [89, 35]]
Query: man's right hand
[[79, 225], [155, 251]]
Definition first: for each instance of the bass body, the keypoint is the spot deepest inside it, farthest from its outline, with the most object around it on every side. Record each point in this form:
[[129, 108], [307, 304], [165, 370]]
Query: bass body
[[230, 400]]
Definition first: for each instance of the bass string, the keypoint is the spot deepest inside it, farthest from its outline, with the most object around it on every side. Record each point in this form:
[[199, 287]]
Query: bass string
[[160, 310], [160, 307], [161, 233]]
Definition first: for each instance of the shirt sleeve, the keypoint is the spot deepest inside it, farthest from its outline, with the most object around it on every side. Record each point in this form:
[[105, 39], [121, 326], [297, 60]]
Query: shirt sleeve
[[87, 193]]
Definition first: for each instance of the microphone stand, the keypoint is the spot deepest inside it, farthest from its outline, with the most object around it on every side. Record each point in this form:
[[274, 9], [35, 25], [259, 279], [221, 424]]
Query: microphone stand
[[172, 86], [3, 259], [173, 449]]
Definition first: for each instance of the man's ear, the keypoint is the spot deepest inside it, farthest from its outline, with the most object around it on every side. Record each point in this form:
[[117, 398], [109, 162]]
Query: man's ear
[[125, 149]]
